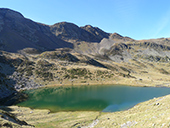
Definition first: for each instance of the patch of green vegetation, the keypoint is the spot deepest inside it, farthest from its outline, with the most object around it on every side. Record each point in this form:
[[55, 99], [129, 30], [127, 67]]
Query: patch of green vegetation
[[100, 73], [44, 75], [44, 63], [109, 75], [66, 76], [86, 77], [63, 69], [126, 75], [64, 56], [55, 68], [45, 66], [73, 77], [79, 71], [83, 81]]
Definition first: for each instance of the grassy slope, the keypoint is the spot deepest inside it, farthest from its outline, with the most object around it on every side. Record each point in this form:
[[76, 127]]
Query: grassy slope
[[144, 73], [43, 118], [152, 113], [146, 114]]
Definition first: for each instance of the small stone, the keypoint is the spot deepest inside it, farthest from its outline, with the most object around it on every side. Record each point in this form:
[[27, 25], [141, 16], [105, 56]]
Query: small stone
[[153, 124], [157, 103], [163, 124]]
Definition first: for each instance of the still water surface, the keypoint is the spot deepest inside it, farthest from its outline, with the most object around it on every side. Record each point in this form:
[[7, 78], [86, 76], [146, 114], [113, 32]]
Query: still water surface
[[91, 98]]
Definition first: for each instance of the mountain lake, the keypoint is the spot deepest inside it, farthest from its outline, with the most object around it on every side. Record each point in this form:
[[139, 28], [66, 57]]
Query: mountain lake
[[91, 98]]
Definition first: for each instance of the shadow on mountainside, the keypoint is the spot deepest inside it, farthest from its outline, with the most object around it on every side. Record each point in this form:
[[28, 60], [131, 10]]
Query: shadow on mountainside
[[8, 93], [7, 117]]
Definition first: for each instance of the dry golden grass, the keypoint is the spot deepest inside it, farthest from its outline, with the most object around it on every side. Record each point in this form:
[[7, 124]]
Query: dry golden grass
[[152, 113], [45, 119]]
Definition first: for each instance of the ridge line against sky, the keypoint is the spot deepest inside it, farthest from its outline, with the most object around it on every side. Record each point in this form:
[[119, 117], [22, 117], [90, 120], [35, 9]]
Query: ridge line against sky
[[138, 19]]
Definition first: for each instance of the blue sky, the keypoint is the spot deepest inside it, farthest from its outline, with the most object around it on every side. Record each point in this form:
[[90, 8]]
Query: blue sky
[[138, 19]]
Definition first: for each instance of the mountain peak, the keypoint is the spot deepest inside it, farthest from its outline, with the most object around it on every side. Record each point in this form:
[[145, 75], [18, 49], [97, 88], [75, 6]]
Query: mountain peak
[[8, 13], [64, 23], [116, 35], [65, 30], [96, 32], [70, 31], [88, 26]]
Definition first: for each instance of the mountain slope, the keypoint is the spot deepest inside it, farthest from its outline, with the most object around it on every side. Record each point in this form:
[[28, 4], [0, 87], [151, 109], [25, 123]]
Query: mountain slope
[[17, 32], [71, 32]]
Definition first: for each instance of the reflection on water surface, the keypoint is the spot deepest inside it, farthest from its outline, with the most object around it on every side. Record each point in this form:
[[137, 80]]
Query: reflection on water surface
[[91, 98]]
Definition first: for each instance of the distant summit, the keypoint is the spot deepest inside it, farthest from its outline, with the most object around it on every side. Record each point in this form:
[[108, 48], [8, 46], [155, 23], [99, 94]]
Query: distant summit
[[67, 31], [116, 35], [96, 32]]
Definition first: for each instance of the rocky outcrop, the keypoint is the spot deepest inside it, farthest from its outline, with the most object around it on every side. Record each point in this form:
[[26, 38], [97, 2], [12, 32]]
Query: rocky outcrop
[[11, 78]]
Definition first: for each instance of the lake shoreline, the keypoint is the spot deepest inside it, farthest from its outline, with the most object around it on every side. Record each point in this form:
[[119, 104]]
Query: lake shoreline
[[94, 84], [100, 84]]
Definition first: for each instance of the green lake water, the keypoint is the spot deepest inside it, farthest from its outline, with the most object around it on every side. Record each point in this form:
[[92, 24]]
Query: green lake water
[[91, 98]]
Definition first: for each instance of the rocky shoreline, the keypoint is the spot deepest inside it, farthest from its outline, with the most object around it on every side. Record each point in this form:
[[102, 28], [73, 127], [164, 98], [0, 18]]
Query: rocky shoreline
[[13, 95]]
